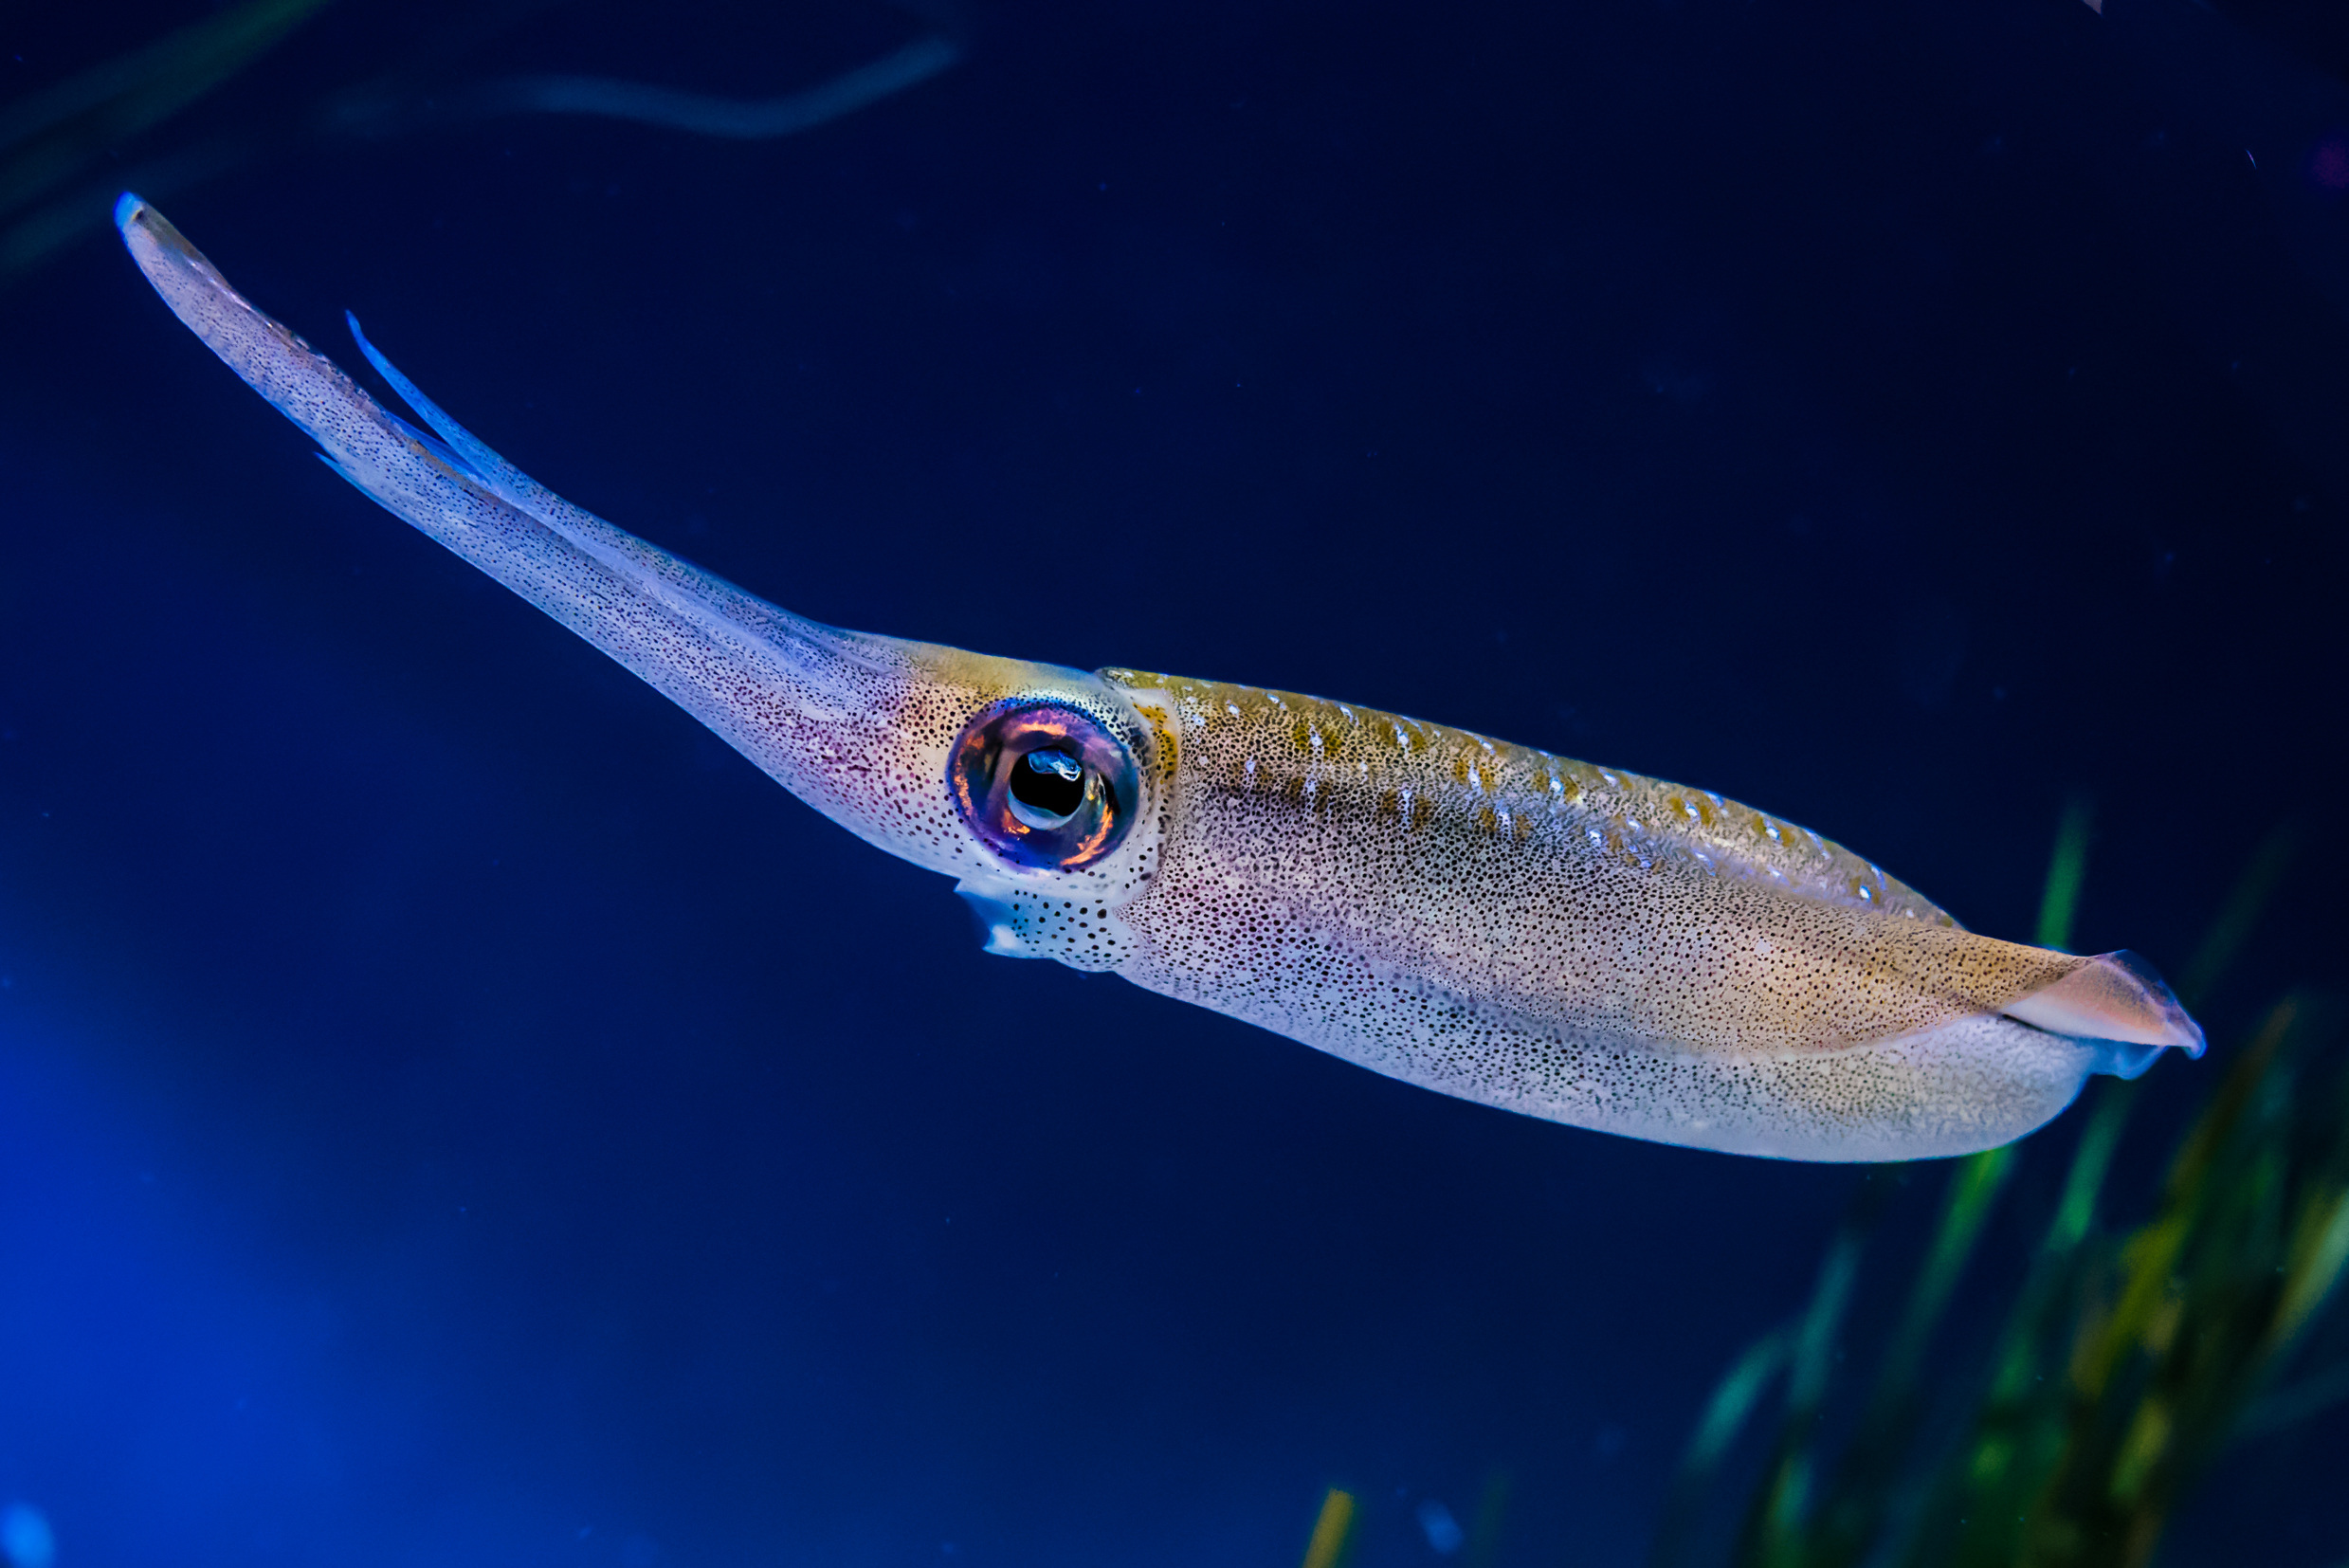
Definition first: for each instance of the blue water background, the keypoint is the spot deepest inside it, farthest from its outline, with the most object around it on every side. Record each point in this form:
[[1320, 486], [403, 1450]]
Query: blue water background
[[454, 1111]]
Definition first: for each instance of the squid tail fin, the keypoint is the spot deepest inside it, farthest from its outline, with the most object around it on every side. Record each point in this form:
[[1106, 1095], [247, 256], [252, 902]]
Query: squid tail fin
[[2118, 1003]]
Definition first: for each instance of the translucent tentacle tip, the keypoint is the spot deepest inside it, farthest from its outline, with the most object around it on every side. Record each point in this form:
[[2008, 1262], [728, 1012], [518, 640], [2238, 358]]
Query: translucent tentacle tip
[[127, 207]]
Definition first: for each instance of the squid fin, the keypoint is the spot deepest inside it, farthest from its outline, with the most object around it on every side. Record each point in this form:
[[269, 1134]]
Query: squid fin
[[460, 447], [2115, 1001]]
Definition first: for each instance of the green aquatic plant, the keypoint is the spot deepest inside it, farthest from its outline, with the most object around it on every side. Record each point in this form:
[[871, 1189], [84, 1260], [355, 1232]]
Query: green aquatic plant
[[52, 138], [59, 147], [1333, 1530], [2128, 1360], [1338, 1525]]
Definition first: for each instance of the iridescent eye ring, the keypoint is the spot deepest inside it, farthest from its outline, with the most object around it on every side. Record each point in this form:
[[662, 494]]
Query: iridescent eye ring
[[1044, 785]]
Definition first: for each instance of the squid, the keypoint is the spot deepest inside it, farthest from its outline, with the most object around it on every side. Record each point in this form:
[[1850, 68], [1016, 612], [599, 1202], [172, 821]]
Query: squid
[[1488, 921]]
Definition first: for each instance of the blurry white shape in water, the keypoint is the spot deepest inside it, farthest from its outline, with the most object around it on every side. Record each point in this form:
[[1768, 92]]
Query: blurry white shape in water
[[1443, 1531], [745, 120], [25, 1540]]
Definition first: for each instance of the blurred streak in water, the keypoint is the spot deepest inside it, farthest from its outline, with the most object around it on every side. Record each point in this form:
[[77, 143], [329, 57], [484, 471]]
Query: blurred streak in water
[[54, 137]]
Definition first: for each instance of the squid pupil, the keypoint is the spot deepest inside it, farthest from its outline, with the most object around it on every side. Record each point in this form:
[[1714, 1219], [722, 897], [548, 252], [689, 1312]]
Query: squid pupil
[[1049, 783]]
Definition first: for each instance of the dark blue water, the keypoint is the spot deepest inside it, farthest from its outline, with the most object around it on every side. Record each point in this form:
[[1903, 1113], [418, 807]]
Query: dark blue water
[[454, 1111]]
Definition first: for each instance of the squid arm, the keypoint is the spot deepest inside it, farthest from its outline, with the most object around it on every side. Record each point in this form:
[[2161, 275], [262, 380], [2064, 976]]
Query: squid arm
[[1486, 919]]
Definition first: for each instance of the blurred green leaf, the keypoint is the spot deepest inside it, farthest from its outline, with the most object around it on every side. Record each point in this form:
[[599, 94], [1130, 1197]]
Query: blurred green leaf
[[2126, 1361]]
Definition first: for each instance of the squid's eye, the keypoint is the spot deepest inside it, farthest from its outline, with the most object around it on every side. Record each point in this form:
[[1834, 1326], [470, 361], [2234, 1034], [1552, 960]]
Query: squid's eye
[[1044, 785], [1048, 788]]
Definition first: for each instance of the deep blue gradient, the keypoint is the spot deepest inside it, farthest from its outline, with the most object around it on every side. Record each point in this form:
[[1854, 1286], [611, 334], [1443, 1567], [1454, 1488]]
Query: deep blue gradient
[[454, 1111]]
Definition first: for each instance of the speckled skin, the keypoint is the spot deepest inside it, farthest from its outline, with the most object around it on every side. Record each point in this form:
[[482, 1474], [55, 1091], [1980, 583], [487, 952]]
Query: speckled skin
[[1576, 942], [1494, 922]]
